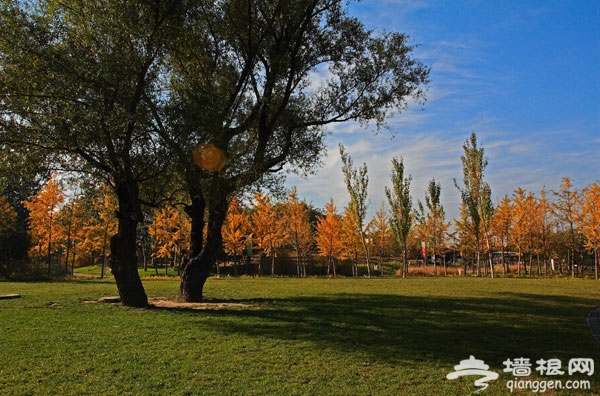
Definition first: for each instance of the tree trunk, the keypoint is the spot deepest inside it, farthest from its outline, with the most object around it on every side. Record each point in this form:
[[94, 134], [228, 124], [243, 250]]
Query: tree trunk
[[434, 262], [273, 263], [519, 262], [334, 269], [445, 266], [366, 249], [68, 240], [596, 263], [203, 257], [144, 259], [405, 262], [104, 257], [73, 261], [478, 258], [123, 260], [190, 268]]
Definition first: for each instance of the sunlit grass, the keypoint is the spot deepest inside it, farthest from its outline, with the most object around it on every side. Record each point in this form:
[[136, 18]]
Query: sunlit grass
[[299, 336], [96, 271]]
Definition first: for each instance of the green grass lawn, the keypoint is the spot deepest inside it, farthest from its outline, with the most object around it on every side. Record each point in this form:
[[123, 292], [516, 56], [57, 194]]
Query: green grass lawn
[[96, 271], [298, 337]]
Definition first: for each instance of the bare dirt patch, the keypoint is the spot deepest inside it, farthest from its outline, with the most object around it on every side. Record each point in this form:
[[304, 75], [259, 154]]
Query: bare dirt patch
[[9, 296], [165, 303]]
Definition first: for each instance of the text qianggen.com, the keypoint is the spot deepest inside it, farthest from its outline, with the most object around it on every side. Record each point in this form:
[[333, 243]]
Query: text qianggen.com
[[541, 386]]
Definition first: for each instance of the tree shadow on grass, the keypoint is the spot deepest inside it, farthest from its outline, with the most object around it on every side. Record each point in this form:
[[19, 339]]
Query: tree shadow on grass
[[397, 329]]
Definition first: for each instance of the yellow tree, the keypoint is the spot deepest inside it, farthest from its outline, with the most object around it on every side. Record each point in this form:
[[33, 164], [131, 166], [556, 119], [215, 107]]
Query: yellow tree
[[465, 236], [524, 207], [565, 209], [268, 230], [296, 220], [327, 236], [381, 233], [350, 237], [100, 225], [501, 227], [43, 227], [540, 228], [235, 231], [589, 219], [357, 180], [432, 219], [72, 219], [169, 229]]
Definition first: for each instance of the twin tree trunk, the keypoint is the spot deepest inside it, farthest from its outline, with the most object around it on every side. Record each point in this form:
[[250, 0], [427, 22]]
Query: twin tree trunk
[[203, 256], [204, 252]]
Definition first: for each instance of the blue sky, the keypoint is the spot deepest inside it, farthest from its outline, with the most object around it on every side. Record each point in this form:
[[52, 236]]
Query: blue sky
[[523, 75]]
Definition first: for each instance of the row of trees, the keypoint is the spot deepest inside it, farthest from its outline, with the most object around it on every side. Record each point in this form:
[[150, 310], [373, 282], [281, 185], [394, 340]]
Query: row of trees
[[539, 229], [68, 231]]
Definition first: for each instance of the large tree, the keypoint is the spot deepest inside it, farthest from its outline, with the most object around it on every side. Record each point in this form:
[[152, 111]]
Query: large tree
[[254, 83], [78, 81]]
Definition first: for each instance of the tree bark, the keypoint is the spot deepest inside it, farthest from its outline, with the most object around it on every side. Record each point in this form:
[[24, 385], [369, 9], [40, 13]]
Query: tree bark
[[203, 256], [405, 261], [596, 263], [123, 259]]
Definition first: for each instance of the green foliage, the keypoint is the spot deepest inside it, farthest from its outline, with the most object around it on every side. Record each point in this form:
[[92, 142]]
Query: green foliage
[[476, 192], [357, 181], [401, 209]]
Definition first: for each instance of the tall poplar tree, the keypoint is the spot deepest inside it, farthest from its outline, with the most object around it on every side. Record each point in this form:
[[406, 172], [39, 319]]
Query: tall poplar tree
[[357, 181], [401, 208], [432, 219], [476, 193]]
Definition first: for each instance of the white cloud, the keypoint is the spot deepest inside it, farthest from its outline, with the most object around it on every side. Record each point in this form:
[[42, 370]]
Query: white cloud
[[426, 156]]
